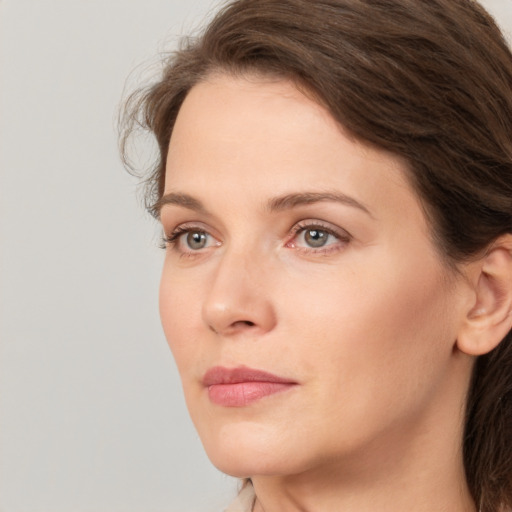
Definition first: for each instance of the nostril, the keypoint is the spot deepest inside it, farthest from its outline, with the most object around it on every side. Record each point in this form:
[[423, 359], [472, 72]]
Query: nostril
[[238, 325], [244, 323]]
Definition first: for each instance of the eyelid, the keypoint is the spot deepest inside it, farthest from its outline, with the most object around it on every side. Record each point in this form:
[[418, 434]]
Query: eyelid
[[325, 226], [184, 227], [341, 235], [172, 238]]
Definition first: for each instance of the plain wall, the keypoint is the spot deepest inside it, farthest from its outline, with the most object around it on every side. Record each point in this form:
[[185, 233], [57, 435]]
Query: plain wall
[[91, 412]]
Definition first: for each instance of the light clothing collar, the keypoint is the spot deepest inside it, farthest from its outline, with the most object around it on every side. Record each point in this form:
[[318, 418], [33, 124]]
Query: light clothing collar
[[244, 502]]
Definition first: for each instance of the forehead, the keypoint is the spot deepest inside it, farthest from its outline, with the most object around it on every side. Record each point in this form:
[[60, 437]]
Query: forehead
[[253, 121], [236, 110], [254, 136]]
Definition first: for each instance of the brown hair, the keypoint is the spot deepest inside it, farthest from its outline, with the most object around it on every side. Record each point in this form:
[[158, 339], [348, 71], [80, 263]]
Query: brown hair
[[429, 80]]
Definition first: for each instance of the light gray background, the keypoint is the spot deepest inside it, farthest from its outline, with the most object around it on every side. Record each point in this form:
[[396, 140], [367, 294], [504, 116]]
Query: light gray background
[[91, 413]]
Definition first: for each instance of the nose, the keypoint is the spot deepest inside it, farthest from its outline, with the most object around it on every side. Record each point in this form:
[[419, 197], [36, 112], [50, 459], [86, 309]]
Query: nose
[[239, 298]]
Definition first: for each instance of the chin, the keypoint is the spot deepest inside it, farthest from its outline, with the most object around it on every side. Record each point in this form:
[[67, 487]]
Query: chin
[[247, 464], [247, 450]]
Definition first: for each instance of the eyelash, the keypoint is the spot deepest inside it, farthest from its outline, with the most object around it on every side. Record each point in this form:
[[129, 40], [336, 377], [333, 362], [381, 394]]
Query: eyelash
[[172, 240], [342, 237]]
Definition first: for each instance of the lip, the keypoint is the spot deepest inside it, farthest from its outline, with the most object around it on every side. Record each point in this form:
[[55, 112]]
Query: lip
[[241, 386]]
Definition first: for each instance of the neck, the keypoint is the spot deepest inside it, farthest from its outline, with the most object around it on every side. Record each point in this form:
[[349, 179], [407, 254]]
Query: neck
[[396, 486], [418, 468]]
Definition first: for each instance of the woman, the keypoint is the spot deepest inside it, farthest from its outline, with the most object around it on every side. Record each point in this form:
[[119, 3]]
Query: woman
[[335, 189]]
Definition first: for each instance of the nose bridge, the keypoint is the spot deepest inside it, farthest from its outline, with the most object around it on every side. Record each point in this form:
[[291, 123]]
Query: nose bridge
[[239, 296]]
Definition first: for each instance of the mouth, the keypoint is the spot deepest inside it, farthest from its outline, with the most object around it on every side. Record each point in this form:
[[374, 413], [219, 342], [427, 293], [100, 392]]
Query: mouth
[[241, 386]]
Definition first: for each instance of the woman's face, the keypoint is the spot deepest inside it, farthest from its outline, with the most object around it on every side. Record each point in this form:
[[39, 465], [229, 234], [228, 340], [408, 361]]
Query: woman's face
[[310, 316]]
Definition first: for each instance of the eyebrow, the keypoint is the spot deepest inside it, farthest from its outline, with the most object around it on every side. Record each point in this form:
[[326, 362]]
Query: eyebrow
[[289, 201], [183, 200], [276, 204]]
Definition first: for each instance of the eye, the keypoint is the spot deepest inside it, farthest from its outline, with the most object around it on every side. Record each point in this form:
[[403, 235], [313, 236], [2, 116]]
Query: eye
[[314, 237], [187, 240], [196, 240]]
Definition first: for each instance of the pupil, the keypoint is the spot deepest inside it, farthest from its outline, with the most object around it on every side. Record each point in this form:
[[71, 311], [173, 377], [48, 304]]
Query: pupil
[[315, 237], [196, 240]]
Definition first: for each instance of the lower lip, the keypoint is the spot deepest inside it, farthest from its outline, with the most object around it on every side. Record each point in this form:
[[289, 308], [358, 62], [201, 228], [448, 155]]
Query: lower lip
[[244, 393]]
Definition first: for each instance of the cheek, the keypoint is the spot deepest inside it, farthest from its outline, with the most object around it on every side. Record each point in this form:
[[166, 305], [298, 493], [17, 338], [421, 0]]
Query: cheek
[[180, 310], [373, 329]]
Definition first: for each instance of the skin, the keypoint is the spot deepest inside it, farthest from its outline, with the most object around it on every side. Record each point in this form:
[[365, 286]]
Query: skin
[[365, 325]]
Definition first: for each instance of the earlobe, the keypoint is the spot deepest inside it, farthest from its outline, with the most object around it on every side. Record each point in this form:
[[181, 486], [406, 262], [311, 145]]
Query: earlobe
[[489, 319]]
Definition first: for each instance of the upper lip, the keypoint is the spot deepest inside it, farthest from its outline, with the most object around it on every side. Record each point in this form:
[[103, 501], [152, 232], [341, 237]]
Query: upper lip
[[221, 375]]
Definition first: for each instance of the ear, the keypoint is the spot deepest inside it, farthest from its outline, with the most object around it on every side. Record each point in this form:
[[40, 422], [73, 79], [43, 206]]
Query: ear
[[489, 319]]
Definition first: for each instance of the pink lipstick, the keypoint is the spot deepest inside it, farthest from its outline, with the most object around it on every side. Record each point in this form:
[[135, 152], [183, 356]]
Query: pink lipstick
[[241, 386]]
